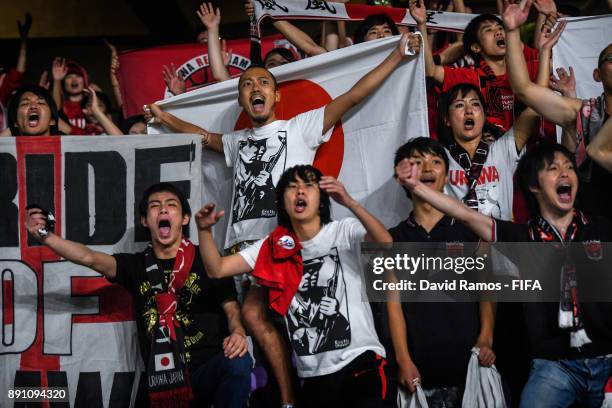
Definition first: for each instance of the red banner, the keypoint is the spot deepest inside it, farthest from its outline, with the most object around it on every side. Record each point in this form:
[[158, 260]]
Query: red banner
[[140, 75]]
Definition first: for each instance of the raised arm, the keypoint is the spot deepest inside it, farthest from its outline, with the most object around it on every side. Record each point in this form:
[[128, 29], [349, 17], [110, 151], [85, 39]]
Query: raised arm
[[524, 127], [24, 29], [217, 266], [70, 250], [369, 82], [174, 80], [211, 19], [375, 230], [58, 71], [155, 114], [408, 175], [556, 108], [600, 147], [105, 121], [298, 38], [114, 69], [418, 13]]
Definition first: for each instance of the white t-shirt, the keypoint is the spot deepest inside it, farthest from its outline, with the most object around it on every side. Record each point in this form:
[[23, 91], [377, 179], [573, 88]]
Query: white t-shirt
[[324, 344], [259, 157], [494, 189]]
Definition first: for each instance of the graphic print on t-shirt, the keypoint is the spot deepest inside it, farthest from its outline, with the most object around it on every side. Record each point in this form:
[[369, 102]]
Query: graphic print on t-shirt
[[254, 194], [317, 319]]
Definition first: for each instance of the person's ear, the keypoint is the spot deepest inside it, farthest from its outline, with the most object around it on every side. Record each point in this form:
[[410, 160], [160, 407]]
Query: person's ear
[[143, 222], [476, 48], [596, 75], [186, 219], [277, 96]]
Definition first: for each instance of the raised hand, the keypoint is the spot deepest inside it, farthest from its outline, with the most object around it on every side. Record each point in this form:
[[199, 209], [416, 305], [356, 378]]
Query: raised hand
[[59, 69], [515, 15], [565, 83], [36, 220], [545, 6], [43, 81], [210, 17], [24, 28], [418, 11], [207, 216], [336, 190], [408, 174], [152, 113], [174, 82], [547, 40]]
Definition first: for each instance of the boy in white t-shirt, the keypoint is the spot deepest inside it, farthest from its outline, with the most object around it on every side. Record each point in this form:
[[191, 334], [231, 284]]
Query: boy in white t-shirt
[[259, 155], [312, 266]]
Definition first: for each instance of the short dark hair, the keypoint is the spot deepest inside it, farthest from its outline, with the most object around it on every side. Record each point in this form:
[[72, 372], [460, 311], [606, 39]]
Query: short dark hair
[[602, 54], [371, 21], [306, 173], [127, 124], [470, 34], [283, 52], [13, 107], [444, 103], [262, 67], [420, 145], [163, 187], [532, 163]]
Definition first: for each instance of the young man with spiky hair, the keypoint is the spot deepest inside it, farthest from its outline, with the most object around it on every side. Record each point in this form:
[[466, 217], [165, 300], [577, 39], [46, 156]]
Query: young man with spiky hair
[[311, 266], [259, 155], [191, 337], [570, 340], [427, 336]]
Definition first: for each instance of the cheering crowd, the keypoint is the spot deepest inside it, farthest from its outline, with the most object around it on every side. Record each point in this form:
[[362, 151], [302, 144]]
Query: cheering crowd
[[289, 276]]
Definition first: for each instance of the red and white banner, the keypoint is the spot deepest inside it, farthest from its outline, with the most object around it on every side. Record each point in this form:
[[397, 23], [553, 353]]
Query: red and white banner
[[327, 10], [140, 75], [363, 144], [64, 325]]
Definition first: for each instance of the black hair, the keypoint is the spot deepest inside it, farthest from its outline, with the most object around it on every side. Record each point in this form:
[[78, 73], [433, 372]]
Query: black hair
[[143, 206], [420, 145], [306, 173], [371, 21], [262, 67], [127, 124], [602, 54], [532, 163], [102, 97], [445, 134], [470, 34], [13, 107], [283, 52]]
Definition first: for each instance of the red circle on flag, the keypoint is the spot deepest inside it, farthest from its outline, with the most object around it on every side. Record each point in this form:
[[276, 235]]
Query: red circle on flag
[[300, 96], [164, 361]]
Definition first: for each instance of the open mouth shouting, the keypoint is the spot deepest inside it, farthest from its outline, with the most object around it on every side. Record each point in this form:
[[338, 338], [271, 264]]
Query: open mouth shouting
[[428, 179], [468, 124], [564, 192], [33, 119], [501, 43], [258, 103], [165, 228], [300, 205]]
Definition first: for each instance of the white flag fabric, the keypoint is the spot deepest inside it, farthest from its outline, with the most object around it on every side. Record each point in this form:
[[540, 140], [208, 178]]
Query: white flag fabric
[[362, 147], [579, 46]]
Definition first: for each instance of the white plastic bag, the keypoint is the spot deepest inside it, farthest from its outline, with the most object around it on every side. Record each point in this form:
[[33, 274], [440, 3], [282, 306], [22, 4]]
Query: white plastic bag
[[415, 400], [483, 388]]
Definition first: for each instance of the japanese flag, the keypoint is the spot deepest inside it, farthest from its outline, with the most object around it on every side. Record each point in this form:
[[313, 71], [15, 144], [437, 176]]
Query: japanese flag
[[164, 361]]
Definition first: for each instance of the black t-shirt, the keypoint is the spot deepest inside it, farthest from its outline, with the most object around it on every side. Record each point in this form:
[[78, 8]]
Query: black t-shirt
[[546, 339], [440, 335], [199, 311]]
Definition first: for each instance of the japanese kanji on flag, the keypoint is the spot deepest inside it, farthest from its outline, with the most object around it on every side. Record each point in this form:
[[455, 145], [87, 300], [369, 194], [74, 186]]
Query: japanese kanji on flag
[[361, 149]]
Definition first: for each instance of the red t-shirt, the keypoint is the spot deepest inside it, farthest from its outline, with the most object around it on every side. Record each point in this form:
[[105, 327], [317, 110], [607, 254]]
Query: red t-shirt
[[75, 114], [496, 91]]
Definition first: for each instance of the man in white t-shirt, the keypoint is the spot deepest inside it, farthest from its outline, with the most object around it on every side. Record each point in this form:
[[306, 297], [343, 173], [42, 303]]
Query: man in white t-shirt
[[259, 155], [330, 328]]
